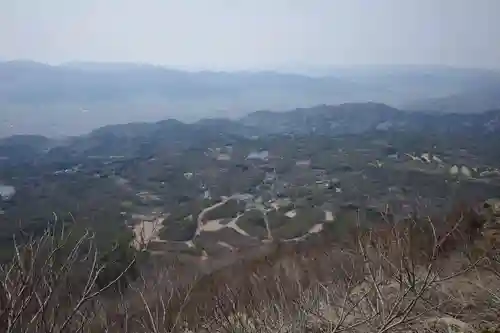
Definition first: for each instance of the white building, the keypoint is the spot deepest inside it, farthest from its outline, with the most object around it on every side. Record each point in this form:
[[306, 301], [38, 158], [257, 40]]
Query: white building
[[7, 192]]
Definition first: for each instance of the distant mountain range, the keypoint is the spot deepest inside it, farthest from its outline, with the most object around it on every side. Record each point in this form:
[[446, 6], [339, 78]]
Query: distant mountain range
[[75, 98], [485, 98], [358, 118], [143, 139]]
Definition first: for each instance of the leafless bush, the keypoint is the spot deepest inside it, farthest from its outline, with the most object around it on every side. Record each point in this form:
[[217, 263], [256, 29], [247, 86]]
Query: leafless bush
[[51, 284], [410, 276], [400, 277]]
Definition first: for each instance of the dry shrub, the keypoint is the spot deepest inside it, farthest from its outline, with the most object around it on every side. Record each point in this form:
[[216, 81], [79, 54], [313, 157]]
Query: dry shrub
[[413, 276], [53, 284]]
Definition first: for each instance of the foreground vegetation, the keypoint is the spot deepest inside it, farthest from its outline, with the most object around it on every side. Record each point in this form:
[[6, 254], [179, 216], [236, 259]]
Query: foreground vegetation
[[413, 276]]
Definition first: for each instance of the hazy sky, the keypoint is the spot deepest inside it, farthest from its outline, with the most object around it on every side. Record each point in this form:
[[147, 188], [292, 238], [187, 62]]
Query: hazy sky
[[251, 34]]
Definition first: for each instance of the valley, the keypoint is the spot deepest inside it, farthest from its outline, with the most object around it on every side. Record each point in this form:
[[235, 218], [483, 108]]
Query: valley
[[219, 188]]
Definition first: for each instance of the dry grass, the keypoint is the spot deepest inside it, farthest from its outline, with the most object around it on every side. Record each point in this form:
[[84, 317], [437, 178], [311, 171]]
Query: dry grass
[[441, 276]]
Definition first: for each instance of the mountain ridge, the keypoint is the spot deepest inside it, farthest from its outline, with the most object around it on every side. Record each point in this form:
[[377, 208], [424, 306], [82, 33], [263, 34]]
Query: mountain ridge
[[74, 99], [327, 120]]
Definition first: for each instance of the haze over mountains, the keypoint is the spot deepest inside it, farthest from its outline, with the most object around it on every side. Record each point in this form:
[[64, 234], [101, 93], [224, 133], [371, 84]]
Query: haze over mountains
[[349, 119], [253, 166], [75, 98]]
